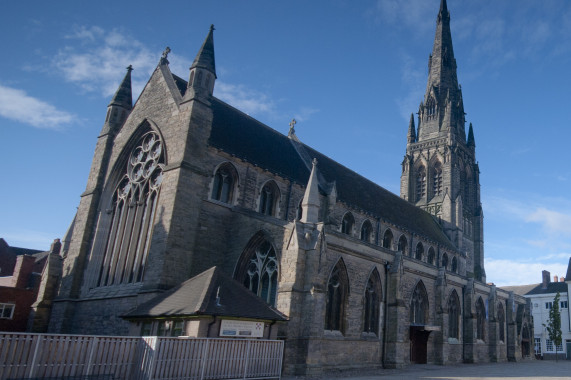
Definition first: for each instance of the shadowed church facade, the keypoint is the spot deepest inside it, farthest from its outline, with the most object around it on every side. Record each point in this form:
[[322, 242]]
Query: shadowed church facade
[[182, 181]]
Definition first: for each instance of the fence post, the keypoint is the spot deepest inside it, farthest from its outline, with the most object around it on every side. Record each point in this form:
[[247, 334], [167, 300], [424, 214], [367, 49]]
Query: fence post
[[247, 358], [204, 353], [90, 360], [34, 358]]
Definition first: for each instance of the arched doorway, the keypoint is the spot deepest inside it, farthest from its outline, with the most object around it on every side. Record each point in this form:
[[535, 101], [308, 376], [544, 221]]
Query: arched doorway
[[525, 342], [418, 321]]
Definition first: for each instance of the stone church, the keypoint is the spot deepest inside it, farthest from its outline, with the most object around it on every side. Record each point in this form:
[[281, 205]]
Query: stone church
[[182, 181]]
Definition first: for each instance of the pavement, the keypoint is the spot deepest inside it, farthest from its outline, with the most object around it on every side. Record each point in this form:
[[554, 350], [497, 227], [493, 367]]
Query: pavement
[[528, 369]]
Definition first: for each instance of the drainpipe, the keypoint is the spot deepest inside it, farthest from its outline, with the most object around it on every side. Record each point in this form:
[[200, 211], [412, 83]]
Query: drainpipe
[[463, 322], [387, 267], [210, 324]]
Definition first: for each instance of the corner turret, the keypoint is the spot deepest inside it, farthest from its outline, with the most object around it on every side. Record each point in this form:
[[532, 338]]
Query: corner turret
[[120, 106], [202, 71]]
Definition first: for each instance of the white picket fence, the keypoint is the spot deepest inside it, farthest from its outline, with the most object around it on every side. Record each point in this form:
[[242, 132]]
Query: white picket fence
[[45, 356]]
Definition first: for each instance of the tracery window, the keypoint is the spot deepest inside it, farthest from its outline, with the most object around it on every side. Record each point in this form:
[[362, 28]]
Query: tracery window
[[223, 185], [480, 319], [132, 214], [388, 239], [437, 179], [419, 251], [502, 322], [260, 272], [453, 315], [366, 231], [403, 245], [430, 106], [372, 303], [420, 183], [337, 291], [431, 256], [347, 224], [268, 199], [419, 305]]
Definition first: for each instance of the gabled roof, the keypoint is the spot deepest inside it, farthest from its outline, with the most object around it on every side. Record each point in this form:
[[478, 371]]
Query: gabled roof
[[211, 293], [246, 138]]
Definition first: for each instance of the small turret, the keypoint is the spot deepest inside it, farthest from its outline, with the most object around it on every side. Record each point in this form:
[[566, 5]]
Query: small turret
[[120, 106], [202, 70]]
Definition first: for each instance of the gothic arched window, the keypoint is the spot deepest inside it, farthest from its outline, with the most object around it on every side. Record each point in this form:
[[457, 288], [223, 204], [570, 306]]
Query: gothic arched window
[[388, 239], [419, 251], [259, 271], [366, 231], [269, 196], [502, 322], [445, 261], [437, 179], [403, 245], [454, 265], [420, 183], [430, 107], [372, 303], [337, 293], [453, 315], [419, 305], [224, 182], [132, 213], [430, 256], [347, 224], [480, 319]]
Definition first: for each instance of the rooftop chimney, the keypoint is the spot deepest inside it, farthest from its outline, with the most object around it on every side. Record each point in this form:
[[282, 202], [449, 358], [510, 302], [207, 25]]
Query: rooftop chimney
[[545, 279], [562, 279], [555, 278]]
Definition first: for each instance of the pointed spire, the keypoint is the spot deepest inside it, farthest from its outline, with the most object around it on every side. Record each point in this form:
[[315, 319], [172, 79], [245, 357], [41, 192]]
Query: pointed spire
[[310, 202], [123, 97], [205, 57], [471, 142], [411, 136]]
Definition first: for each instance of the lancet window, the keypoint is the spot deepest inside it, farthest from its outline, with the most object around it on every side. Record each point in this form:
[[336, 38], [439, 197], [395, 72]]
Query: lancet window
[[224, 183], [420, 183], [337, 292], [347, 224], [437, 179], [480, 319], [388, 239], [403, 245], [419, 251], [132, 213], [372, 303], [430, 256], [268, 199], [366, 231], [453, 315], [419, 305]]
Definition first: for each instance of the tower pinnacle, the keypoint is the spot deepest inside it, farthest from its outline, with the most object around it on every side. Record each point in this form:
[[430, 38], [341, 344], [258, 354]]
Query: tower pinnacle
[[202, 71]]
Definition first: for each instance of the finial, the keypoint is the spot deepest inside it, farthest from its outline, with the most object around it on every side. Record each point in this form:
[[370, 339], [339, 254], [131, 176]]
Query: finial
[[212, 27], [314, 162], [130, 68], [166, 52]]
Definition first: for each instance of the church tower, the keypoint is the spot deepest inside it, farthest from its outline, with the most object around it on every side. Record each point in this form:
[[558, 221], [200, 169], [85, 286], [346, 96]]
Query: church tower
[[440, 173]]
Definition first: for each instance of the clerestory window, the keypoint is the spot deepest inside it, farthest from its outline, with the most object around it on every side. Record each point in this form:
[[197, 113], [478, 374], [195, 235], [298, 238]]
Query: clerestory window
[[224, 182], [437, 179]]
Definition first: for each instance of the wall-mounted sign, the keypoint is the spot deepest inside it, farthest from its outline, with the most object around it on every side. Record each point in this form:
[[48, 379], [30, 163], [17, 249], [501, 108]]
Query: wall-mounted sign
[[241, 329]]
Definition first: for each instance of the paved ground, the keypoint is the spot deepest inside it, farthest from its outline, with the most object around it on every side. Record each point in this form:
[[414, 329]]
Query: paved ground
[[532, 369]]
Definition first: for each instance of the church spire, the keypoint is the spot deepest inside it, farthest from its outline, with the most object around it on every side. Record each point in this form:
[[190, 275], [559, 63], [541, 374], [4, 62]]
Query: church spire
[[202, 71], [411, 136]]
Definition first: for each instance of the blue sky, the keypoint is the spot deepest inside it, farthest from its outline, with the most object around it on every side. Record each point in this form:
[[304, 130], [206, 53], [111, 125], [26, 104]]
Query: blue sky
[[351, 73]]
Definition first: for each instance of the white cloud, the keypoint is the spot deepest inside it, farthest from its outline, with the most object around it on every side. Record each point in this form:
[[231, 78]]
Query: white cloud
[[304, 114], [553, 222], [249, 101], [415, 15], [16, 105], [524, 272], [98, 62]]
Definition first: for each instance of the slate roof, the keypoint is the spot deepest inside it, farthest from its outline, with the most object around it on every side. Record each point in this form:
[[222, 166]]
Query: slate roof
[[210, 293], [246, 138], [536, 289]]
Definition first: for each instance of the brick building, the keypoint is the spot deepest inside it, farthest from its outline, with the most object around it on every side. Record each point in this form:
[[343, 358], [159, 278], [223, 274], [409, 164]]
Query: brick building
[[182, 181]]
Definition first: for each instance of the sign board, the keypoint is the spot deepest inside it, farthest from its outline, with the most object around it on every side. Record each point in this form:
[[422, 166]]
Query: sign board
[[241, 329]]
